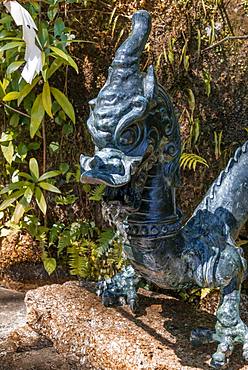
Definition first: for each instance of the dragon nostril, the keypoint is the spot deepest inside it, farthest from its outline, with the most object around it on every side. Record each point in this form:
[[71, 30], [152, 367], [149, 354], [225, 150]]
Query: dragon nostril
[[96, 163]]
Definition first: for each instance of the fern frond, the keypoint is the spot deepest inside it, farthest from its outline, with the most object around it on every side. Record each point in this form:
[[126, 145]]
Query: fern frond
[[54, 233], [190, 161], [104, 242], [76, 230], [97, 193], [64, 241], [78, 264]]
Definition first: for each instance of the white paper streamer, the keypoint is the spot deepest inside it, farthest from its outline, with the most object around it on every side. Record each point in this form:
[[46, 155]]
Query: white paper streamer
[[32, 53]]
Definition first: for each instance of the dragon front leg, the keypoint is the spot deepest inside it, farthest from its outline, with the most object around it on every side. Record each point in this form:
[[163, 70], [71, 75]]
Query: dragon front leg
[[120, 289]]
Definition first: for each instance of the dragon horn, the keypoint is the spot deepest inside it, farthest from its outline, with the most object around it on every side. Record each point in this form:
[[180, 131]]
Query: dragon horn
[[130, 51]]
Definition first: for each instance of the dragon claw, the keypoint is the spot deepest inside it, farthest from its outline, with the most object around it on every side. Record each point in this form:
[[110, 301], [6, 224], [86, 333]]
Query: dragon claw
[[132, 303], [221, 357], [228, 338], [119, 290], [245, 347], [218, 361]]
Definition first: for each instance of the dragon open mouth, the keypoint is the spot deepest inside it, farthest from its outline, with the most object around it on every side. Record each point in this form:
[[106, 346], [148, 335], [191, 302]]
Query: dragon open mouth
[[108, 166]]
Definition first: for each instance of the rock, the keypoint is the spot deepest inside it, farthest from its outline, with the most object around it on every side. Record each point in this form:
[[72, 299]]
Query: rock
[[43, 359], [21, 348], [24, 349], [12, 311], [91, 336], [23, 339], [24, 276]]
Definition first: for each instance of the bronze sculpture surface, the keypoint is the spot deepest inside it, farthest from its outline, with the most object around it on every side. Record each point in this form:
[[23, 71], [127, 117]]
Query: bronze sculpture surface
[[136, 133]]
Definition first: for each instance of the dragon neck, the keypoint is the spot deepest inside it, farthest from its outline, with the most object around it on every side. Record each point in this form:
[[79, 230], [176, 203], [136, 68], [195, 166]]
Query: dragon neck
[[157, 214]]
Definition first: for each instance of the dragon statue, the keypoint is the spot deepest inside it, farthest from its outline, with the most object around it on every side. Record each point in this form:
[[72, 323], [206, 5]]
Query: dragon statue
[[137, 139]]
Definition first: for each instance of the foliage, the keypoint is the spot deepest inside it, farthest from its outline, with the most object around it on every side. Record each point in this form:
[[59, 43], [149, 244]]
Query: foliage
[[89, 252], [27, 190], [191, 160], [30, 112], [195, 295], [30, 108]]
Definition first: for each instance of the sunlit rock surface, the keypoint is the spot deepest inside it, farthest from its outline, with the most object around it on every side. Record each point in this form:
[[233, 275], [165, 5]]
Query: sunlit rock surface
[[12, 311], [94, 337]]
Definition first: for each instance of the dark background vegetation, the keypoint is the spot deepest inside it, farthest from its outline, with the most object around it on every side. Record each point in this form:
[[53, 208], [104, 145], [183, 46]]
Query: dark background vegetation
[[224, 110]]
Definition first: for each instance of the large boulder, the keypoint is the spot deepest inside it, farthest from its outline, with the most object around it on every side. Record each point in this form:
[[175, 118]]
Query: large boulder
[[94, 337]]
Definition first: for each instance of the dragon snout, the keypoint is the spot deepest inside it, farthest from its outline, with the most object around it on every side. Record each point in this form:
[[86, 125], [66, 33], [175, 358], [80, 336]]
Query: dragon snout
[[108, 166]]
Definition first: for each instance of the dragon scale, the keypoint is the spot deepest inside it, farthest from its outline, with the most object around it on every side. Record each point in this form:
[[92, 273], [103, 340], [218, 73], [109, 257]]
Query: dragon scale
[[229, 192]]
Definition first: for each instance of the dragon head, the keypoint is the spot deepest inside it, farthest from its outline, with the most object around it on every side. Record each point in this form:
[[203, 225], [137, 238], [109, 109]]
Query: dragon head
[[130, 119]]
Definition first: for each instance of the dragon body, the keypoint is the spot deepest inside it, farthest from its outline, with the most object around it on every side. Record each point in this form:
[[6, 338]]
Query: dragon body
[[136, 133]]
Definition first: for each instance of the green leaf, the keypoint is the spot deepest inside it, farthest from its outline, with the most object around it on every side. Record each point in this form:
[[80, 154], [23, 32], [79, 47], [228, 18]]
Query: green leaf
[[40, 200], [43, 34], [5, 19], [64, 167], [48, 175], [11, 45], [59, 27], [196, 130], [8, 151], [54, 232], [37, 115], [14, 66], [26, 90], [14, 120], [19, 210], [54, 146], [26, 175], [49, 264], [29, 193], [53, 10], [46, 99], [63, 101], [34, 146], [67, 129], [191, 100], [34, 168], [14, 186], [56, 64], [13, 95], [22, 150], [49, 187], [7, 38], [2, 90], [11, 199], [6, 136], [65, 56]]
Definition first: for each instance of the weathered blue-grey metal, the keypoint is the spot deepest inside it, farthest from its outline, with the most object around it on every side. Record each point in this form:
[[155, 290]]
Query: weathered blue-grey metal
[[136, 133]]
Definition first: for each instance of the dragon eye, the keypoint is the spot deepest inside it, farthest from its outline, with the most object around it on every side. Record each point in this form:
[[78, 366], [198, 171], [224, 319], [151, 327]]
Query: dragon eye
[[130, 136], [127, 138]]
